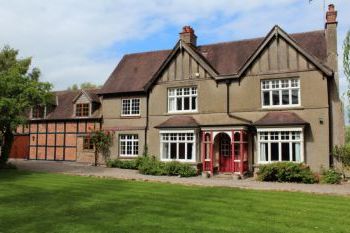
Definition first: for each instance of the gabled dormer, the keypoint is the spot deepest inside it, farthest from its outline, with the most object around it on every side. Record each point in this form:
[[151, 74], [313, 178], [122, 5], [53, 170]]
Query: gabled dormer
[[38, 112], [85, 103]]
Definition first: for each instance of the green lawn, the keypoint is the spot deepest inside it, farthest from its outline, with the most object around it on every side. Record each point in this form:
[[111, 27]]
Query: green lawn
[[40, 202]]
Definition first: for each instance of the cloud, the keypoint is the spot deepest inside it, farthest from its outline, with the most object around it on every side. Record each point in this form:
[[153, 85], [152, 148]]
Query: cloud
[[76, 41]]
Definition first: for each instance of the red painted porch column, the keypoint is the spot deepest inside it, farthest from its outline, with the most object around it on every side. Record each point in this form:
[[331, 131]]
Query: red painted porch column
[[211, 153], [241, 152], [203, 150], [232, 151]]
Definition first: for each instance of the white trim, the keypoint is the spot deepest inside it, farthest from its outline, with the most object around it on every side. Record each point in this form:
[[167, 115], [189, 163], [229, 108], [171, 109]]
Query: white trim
[[280, 141], [126, 140], [175, 96], [270, 90], [130, 100], [193, 141]]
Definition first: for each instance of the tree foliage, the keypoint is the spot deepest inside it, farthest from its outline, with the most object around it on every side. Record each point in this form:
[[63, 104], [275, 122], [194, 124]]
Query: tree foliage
[[342, 155], [102, 142], [20, 89], [85, 85], [346, 56]]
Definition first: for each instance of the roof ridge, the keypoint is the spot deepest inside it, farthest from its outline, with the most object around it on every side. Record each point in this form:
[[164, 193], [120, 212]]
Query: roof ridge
[[146, 52]]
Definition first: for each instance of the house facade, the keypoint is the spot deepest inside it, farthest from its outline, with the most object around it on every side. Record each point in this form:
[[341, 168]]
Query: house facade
[[230, 106], [226, 107]]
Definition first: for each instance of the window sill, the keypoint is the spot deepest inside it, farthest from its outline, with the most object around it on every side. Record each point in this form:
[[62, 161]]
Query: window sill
[[182, 113], [128, 156], [130, 117], [278, 108]]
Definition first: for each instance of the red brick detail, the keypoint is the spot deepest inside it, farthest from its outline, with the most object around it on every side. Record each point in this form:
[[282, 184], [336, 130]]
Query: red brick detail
[[60, 127], [50, 139], [71, 127], [41, 152], [81, 127], [32, 153], [71, 154], [32, 139], [51, 127], [71, 140], [59, 153], [50, 153], [59, 139], [41, 139], [42, 128], [33, 128]]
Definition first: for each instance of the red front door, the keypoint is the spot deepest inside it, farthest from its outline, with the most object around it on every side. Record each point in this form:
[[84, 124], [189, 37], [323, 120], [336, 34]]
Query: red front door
[[225, 157]]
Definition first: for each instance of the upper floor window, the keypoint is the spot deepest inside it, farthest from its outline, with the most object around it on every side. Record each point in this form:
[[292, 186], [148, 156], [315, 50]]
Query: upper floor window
[[182, 99], [280, 93], [131, 107], [82, 110], [38, 111]]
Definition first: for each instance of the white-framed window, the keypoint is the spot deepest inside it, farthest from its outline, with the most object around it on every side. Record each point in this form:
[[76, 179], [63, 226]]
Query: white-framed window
[[131, 107], [82, 109], [178, 145], [280, 144], [280, 93], [129, 145], [183, 99]]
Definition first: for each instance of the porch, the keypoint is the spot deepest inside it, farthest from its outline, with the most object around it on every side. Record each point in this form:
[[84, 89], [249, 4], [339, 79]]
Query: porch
[[225, 151]]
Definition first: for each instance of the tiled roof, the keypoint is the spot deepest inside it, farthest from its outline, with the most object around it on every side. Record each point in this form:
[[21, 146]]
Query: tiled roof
[[134, 71], [179, 122], [280, 118]]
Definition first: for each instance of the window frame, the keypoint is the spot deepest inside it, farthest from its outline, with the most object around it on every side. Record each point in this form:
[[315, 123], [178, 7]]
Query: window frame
[[90, 146], [133, 141], [82, 111], [177, 141], [280, 141], [176, 96], [44, 112], [130, 108], [280, 89]]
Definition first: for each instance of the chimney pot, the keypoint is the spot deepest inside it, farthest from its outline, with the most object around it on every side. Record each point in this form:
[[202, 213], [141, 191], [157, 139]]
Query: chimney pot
[[331, 15], [187, 35]]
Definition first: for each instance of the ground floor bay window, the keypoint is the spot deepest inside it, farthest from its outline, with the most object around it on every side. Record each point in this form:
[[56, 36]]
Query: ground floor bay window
[[178, 145], [280, 145]]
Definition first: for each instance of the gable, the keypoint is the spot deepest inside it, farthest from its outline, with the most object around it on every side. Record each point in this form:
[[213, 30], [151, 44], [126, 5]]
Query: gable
[[83, 98], [183, 67], [280, 56]]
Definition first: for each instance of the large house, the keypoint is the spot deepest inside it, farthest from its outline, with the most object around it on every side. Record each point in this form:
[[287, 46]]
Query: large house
[[227, 107]]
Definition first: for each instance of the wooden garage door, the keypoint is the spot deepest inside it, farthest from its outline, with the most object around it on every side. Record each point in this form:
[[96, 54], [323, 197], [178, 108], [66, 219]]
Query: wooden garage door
[[20, 147]]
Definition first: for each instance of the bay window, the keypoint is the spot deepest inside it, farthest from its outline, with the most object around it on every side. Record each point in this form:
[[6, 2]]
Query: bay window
[[178, 146], [277, 145], [280, 93], [182, 99]]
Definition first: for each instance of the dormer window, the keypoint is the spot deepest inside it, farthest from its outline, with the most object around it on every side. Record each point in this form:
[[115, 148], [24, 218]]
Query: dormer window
[[38, 111], [82, 110]]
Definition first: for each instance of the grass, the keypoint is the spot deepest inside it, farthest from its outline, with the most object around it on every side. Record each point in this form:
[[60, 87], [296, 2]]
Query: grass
[[41, 202]]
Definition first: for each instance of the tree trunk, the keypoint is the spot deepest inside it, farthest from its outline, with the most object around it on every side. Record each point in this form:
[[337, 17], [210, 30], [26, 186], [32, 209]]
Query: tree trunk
[[96, 157], [6, 147]]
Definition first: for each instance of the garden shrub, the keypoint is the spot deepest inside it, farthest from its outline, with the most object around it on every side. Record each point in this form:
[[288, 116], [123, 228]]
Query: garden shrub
[[331, 176], [150, 165], [286, 172], [125, 164]]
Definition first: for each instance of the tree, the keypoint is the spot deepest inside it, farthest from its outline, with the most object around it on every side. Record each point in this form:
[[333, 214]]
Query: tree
[[85, 85], [342, 155], [346, 57], [20, 90], [102, 142]]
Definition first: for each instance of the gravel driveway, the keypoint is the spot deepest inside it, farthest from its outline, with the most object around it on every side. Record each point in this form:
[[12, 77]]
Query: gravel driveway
[[74, 168]]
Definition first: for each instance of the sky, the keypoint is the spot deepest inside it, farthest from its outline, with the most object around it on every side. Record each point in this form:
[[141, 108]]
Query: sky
[[78, 41]]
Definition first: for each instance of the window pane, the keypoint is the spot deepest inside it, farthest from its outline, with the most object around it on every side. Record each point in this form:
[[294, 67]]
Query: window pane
[[182, 150], [165, 152], [194, 103], [173, 150], [264, 151], [285, 152], [237, 151], [187, 103], [296, 152], [274, 151], [178, 103], [189, 151], [266, 98], [295, 96], [285, 96], [275, 97]]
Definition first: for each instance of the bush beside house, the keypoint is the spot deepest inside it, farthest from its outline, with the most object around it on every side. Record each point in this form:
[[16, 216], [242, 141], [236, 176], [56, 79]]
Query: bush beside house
[[149, 165]]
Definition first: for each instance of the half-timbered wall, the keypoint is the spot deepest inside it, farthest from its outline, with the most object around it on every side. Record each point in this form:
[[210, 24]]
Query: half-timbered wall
[[57, 140]]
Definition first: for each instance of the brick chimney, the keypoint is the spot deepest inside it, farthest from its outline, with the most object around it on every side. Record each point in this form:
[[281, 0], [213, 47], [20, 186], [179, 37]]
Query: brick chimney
[[187, 35], [331, 40]]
